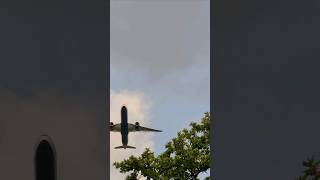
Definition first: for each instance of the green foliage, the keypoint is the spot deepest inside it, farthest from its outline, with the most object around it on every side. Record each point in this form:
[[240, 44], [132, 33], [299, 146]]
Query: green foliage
[[312, 170], [185, 156]]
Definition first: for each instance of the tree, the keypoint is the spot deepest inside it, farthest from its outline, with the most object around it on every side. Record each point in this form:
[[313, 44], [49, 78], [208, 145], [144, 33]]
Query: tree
[[185, 156], [312, 170]]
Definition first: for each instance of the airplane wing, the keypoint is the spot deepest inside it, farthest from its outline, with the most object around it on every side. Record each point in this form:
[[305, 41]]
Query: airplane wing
[[115, 127], [137, 127]]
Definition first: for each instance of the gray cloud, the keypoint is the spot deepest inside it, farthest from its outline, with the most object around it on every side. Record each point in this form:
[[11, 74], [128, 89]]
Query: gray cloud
[[158, 38], [161, 47]]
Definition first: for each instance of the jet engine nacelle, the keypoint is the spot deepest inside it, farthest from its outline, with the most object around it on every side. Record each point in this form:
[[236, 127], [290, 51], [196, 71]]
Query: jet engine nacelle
[[111, 125], [137, 125]]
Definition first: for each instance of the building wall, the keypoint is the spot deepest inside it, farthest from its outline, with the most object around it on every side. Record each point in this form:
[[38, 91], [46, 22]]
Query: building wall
[[53, 82]]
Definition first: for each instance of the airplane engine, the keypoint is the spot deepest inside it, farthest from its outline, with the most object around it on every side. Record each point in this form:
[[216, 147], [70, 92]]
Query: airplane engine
[[111, 125], [137, 125]]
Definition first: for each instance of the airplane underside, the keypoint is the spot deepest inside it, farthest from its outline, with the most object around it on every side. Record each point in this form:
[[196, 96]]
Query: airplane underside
[[124, 128]]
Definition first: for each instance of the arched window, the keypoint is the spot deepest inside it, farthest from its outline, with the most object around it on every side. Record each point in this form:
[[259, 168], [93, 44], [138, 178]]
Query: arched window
[[45, 161]]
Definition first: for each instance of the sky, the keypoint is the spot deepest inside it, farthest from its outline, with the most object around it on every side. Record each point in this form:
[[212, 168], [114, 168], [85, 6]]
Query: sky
[[266, 90], [266, 73], [159, 63]]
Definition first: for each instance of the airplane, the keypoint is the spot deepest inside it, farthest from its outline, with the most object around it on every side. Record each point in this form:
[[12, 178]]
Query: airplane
[[124, 128]]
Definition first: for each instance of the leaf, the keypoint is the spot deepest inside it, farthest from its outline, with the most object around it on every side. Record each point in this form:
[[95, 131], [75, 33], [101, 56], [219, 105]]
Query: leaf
[[185, 156]]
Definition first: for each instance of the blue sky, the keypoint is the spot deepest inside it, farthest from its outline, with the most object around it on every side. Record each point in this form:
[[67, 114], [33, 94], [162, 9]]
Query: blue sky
[[160, 49]]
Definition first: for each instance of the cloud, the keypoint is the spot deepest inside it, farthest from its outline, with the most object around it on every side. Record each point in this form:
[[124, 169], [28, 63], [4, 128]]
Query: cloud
[[161, 48], [158, 38], [138, 110]]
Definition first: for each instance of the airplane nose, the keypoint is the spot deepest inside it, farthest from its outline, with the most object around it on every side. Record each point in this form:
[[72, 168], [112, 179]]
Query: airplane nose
[[123, 109]]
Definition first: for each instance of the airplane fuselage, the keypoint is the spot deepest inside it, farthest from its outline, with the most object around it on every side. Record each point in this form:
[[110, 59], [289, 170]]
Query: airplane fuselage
[[124, 125], [124, 128]]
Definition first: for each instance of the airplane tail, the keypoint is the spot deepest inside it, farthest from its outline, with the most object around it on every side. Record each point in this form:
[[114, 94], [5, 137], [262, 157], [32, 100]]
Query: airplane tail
[[125, 147]]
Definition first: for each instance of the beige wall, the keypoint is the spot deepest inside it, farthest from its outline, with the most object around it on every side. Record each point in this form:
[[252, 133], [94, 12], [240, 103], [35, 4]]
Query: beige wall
[[76, 128]]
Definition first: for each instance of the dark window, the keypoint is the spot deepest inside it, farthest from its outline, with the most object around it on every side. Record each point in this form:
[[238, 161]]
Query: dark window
[[45, 161]]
